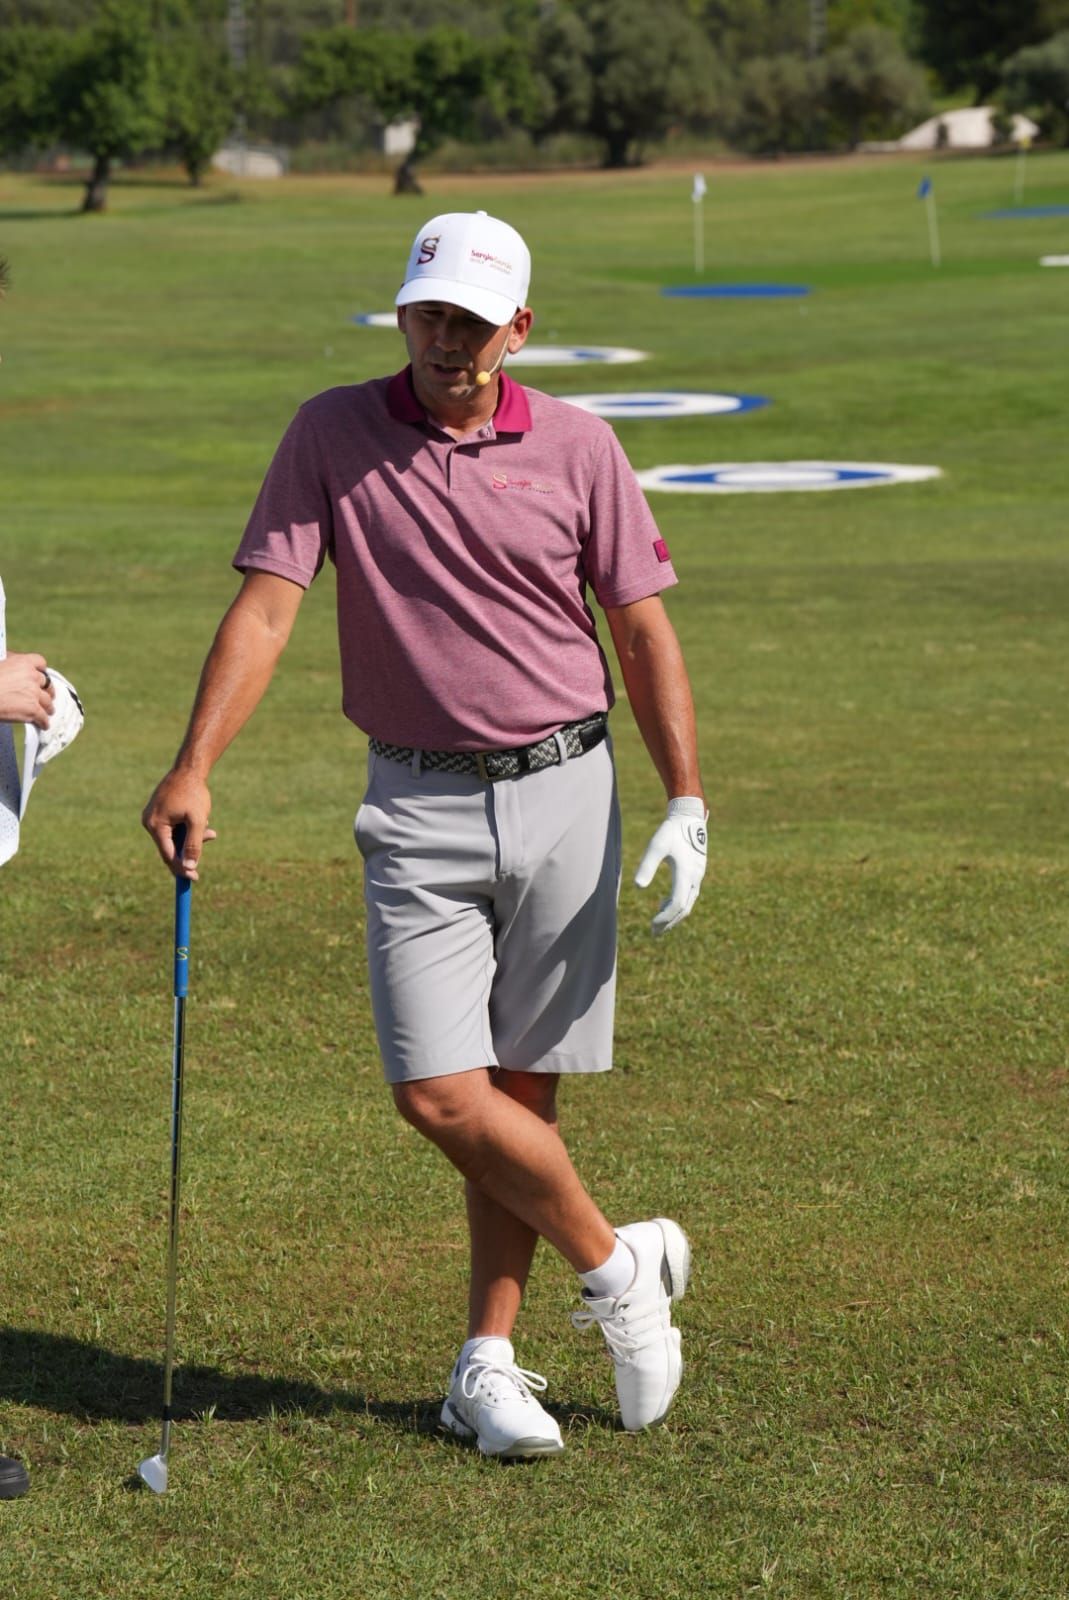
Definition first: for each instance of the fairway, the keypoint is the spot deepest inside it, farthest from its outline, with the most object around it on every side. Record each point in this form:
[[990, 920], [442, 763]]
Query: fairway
[[847, 1075]]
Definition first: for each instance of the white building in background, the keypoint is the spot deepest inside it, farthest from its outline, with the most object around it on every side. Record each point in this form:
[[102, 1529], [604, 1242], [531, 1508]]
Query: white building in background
[[399, 138], [251, 160], [969, 128]]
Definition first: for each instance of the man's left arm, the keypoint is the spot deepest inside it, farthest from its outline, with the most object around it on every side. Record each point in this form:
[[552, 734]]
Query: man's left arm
[[657, 685]]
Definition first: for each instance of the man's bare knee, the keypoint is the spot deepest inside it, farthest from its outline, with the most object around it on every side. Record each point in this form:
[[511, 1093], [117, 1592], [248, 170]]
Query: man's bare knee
[[437, 1106]]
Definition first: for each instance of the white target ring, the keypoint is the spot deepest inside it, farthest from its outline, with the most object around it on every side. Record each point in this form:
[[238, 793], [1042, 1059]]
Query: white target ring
[[574, 355], [1054, 261], [664, 403], [534, 355], [781, 477]]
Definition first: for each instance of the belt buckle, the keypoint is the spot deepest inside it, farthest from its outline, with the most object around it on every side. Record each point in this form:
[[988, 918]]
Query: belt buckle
[[480, 767]]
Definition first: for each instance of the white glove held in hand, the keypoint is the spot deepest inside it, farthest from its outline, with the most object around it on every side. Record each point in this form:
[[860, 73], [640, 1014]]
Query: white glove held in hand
[[681, 841]]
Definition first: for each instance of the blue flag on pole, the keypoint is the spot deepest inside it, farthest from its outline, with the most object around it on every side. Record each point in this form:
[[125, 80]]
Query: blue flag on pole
[[925, 189]]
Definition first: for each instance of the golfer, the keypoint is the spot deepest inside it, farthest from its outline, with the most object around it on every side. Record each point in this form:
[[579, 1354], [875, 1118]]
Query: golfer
[[467, 518]]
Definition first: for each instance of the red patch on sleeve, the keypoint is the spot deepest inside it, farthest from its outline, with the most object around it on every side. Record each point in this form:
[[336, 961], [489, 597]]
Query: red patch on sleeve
[[660, 550]]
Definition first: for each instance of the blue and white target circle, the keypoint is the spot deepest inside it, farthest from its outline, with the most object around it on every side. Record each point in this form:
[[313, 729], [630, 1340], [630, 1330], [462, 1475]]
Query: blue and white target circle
[[664, 403], [782, 477], [376, 319], [1054, 261], [574, 355]]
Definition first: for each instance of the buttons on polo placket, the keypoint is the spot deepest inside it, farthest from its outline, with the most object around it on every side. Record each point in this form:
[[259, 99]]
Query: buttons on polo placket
[[484, 435]]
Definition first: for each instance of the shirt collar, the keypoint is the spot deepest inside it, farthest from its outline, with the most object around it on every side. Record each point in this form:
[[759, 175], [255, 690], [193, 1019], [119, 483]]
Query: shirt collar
[[513, 414]]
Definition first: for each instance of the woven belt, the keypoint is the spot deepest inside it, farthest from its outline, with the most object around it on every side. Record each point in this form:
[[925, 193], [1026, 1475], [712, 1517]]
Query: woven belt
[[574, 739]]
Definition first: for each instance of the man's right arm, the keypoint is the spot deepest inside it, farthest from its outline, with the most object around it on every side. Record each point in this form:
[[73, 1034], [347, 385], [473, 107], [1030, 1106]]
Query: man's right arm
[[239, 667]]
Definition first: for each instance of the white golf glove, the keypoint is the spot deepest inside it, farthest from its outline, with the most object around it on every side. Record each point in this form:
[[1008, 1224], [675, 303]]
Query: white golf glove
[[681, 841]]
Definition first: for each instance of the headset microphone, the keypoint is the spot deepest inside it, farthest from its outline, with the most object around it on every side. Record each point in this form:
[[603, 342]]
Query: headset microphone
[[483, 378]]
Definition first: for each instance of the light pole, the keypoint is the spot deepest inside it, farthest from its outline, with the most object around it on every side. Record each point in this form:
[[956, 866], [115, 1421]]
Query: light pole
[[818, 27], [237, 43]]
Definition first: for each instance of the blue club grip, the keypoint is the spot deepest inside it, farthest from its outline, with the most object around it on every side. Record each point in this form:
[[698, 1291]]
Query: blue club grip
[[182, 893]]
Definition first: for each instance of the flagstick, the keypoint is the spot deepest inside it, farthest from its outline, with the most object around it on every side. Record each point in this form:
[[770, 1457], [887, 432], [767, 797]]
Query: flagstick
[[933, 229], [699, 236], [1018, 176]]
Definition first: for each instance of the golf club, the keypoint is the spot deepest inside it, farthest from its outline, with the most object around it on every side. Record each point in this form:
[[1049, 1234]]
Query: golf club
[[153, 1470]]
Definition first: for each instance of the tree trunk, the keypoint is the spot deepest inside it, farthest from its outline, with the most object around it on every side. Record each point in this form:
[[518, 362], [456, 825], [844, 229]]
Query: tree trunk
[[96, 190], [617, 146], [405, 180]]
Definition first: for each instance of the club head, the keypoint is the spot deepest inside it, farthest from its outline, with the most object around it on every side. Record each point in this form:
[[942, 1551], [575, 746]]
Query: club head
[[153, 1471]]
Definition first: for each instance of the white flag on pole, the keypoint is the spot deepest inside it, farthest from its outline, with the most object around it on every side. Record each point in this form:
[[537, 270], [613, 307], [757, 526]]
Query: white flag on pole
[[697, 195]]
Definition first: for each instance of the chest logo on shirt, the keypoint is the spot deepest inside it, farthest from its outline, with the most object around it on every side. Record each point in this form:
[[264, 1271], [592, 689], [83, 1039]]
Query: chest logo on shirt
[[501, 480], [428, 248]]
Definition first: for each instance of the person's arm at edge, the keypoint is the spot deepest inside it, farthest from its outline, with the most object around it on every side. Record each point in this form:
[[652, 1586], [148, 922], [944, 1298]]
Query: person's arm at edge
[[658, 688], [238, 669], [26, 695]]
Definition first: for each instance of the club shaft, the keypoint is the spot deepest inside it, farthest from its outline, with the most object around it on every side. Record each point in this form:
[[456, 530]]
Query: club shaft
[[172, 1233], [183, 889]]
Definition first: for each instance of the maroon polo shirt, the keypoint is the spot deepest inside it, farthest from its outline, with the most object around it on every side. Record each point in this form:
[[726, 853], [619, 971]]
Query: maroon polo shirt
[[463, 565]]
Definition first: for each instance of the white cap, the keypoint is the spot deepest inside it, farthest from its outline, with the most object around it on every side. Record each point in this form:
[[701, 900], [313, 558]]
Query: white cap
[[468, 259]]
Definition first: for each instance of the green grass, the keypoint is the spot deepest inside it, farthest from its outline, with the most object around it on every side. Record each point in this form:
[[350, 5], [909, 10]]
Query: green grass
[[847, 1076]]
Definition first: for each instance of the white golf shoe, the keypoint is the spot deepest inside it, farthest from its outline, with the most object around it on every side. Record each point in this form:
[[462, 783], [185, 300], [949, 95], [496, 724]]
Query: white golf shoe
[[492, 1401], [637, 1325]]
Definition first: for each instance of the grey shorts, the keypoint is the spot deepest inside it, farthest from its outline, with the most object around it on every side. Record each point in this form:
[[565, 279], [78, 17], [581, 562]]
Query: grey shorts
[[491, 917]]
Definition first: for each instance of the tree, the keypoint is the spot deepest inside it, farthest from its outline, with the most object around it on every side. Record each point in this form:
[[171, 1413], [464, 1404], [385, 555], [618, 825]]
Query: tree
[[109, 93], [32, 61], [647, 73], [199, 90], [337, 63], [464, 87], [966, 41], [119, 86], [778, 105], [1036, 80], [563, 84], [739, 30], [871, 87], [67, 14], [847, 16], [450, 84], [742, 29]]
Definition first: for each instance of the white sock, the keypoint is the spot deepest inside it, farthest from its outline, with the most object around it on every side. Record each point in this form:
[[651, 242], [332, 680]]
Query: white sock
[[491, 1346], [613, 1276]]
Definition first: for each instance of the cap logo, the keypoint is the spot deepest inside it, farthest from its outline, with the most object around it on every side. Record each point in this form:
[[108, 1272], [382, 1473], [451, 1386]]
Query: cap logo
[[488, 259], [428, 249]]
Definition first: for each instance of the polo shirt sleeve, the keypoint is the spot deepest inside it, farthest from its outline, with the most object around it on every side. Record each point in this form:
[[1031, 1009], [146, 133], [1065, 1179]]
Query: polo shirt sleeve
[[624, 556], [291, 528]]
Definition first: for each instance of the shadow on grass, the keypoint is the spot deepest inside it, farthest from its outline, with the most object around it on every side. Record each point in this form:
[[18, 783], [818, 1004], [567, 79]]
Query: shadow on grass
[[41, 214], [58, 1373], [190, 195]]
